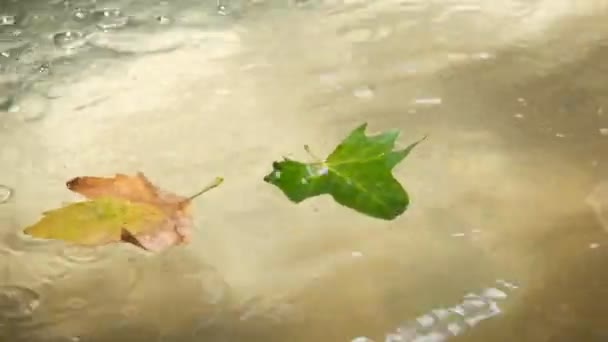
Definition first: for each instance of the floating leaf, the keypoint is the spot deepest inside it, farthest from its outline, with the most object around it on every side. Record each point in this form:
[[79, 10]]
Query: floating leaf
[[95, 222], [122, 208], [357, 174]]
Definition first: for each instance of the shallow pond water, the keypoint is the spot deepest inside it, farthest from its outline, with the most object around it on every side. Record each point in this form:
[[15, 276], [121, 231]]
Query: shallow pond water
[[506, 238]]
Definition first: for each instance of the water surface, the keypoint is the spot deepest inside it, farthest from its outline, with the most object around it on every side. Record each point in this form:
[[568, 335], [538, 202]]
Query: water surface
[[505, 239]]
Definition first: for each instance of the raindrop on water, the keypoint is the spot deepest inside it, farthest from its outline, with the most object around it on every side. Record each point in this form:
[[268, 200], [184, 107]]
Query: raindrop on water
[[80, 14], [44, 68], [17, 302], [5, 193], [109, 19], [222, 7], [6, 20], [69, 39], [163, 19]]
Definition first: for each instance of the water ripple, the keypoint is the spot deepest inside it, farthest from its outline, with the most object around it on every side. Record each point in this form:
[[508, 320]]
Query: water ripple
[[84, 255], [69, 39], [5, 193], [17, 302], [21, 244], [76, 29]]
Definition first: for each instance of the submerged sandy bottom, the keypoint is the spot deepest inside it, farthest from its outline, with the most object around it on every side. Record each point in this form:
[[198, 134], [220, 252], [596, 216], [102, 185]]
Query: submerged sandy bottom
[[510, 185]]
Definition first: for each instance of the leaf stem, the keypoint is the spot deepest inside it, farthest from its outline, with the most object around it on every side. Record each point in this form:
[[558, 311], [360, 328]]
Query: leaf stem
[[216, 182], [312, 155]]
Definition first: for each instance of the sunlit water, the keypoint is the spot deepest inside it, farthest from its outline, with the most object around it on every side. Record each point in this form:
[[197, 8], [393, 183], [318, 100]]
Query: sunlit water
[[506, 238]]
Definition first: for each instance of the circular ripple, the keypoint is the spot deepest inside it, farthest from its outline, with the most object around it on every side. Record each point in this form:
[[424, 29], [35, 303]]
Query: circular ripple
[[5, 193], [20, 243], [17, 302], [76, 303], [83, 255], [69, 39]]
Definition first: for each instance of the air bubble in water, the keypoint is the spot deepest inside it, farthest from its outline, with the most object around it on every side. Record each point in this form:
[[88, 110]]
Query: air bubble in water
[[5, 193], [69, 39], [17, 302]]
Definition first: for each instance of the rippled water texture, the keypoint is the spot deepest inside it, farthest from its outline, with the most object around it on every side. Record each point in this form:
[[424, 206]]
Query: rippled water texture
[[506, 238]]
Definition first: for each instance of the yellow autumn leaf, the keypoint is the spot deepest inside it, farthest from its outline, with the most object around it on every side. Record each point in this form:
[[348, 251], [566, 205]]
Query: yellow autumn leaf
[[121, 208], [99, 221]]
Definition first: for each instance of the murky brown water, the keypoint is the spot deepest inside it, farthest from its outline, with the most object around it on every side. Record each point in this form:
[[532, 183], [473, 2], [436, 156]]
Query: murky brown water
[[507, 235]]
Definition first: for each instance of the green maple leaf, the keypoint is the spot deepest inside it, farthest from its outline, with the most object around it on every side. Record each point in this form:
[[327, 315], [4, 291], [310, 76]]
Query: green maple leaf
[[357, 174]]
